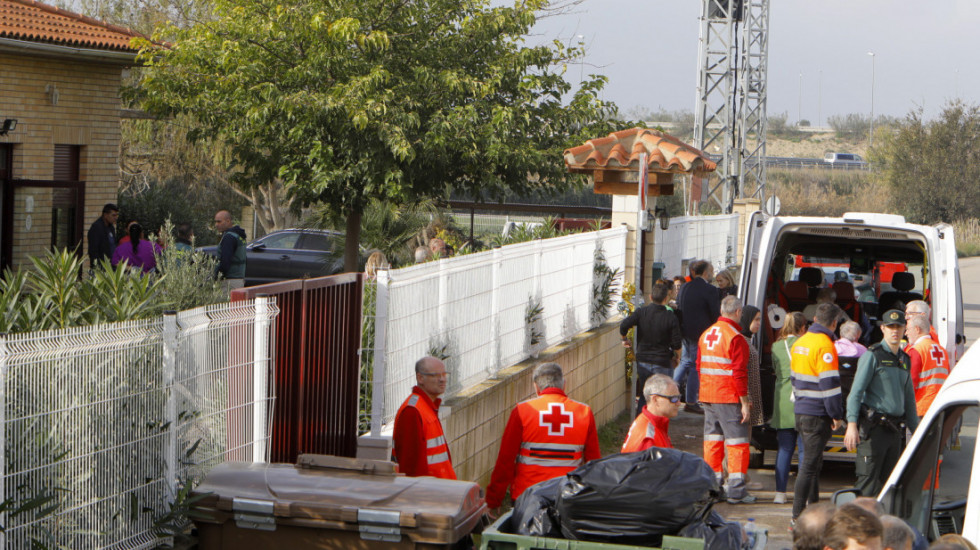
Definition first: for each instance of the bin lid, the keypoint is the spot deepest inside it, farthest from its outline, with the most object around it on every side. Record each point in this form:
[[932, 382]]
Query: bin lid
[[344, 495]]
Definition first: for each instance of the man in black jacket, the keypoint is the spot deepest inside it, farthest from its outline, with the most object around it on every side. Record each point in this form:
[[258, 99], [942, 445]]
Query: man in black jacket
[[102, 236], [658, 339], [700, 305]]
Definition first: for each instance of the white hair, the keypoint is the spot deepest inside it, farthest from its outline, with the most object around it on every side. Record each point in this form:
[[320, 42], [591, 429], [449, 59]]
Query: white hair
[[851, 331], [919, 306]]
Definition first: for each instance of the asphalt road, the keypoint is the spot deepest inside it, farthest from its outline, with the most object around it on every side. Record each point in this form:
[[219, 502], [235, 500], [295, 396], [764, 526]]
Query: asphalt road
[[686, 432]]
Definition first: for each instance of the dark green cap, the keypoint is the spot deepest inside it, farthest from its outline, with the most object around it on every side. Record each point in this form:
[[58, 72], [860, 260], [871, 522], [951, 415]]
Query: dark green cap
[[893, 317]]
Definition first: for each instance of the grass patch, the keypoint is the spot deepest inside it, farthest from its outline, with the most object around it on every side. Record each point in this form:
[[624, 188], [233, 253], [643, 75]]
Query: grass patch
[[613, 434]]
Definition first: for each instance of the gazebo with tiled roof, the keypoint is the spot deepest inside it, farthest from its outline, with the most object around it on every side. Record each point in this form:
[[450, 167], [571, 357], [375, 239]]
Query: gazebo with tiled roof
[[614, 163], [609, 159]]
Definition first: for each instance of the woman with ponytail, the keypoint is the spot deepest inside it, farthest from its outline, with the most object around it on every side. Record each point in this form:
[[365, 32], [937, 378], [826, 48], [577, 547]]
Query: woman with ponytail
[[137, 252]]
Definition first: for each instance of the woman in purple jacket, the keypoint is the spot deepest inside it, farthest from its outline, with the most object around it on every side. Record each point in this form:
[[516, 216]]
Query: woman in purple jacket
[[138, 252]]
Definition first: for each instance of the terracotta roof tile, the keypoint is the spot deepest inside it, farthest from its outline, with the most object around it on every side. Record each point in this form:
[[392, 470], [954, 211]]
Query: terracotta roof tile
[[36, 22], [621, 151]]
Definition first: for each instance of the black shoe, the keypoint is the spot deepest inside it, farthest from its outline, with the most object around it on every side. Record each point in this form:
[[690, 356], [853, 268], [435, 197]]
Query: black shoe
[[693, 408]]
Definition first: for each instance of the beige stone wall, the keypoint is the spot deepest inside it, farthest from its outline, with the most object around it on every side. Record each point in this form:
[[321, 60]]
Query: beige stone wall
[[624, 213], [86, 113], [594, 374]]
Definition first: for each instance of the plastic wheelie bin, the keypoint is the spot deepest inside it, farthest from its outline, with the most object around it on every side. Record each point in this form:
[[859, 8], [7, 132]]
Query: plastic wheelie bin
[[332, 502]]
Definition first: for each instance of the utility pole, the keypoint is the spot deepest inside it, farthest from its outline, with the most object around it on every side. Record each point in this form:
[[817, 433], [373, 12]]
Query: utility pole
[[730, 114]]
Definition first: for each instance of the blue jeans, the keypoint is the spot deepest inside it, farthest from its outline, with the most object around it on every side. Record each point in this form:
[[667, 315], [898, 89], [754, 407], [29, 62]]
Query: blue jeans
[[788, 440], [686, 373]]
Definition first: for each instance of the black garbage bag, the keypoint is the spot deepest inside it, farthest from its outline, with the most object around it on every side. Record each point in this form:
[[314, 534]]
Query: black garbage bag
[[716, 533], [534, 512], [635, 498]]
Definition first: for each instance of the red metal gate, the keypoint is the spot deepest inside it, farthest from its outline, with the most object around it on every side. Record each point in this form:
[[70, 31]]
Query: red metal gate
[[318, 335]]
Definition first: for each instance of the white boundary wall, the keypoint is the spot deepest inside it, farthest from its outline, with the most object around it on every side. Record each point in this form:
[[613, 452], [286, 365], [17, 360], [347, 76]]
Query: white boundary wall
[[472, 309], [713, 238]]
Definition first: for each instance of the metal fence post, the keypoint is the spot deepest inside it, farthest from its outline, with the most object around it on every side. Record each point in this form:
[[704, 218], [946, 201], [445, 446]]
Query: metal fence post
[[378, 382], [495, 308], [260, 380], [170, 412]]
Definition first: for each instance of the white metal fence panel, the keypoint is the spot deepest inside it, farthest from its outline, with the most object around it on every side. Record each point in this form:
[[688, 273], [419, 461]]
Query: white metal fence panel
[[112, 417], [474, 309], [713, 238]]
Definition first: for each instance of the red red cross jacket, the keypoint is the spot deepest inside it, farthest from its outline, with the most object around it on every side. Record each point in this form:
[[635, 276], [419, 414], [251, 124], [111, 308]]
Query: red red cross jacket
[[545, 437]]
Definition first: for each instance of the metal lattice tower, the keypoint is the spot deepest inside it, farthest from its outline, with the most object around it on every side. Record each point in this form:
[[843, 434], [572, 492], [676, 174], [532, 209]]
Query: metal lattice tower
[[730, 118]]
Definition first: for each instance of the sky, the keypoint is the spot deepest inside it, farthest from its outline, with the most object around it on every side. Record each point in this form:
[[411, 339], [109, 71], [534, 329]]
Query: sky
[[648, 49]]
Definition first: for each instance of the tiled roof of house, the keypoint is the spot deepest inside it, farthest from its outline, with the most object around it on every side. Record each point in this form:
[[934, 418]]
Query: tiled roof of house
[[33, 21], [621, 151]]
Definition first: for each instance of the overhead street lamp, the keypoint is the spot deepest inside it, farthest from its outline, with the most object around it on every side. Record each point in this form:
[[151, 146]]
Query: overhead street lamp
[[871, 126]]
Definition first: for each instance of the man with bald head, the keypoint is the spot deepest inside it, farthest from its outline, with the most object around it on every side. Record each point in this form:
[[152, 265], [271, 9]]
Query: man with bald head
[[231, 251], [421, 448]]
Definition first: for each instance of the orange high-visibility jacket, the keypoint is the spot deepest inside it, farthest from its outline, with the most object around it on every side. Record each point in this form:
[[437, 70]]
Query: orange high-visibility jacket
[[437, 459], [546, 437], [723, 358], [647, 431], [930, 367]]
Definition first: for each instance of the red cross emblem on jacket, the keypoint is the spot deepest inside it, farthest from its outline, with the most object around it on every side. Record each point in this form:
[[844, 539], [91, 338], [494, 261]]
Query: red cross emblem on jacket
[[556, 419], [712, 338]]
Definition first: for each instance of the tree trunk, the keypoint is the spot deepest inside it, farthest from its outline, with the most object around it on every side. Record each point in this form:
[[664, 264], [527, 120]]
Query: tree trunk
[[351, 248]]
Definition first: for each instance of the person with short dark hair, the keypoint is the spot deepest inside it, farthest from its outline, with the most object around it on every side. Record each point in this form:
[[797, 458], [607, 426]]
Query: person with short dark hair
[[880, 406], [852, 528], [650, 429], [658, 339], [546, 437], [420, 446], [102, 236], [699, 303], [185, 237], [819, 407], [808, 528]]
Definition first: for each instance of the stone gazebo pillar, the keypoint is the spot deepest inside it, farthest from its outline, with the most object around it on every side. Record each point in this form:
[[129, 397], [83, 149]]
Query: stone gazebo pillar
[[614, 163]]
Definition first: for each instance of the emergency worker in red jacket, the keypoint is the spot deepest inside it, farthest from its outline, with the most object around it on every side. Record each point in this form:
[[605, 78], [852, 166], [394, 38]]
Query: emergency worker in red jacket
[[723, 358], [651, 425], [545, 437], [420, 444]]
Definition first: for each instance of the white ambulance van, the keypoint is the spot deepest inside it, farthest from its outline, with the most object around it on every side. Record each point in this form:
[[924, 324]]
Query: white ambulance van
[[874, 262]]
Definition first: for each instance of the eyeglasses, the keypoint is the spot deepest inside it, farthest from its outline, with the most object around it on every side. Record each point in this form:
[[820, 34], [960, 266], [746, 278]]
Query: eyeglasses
[[671, 398], [436, 374]]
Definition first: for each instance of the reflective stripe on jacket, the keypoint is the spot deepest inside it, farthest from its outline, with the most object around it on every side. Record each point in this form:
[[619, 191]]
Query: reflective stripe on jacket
[[436, 448], [816, 378], [647, 431], [723, 357], [932, 372]]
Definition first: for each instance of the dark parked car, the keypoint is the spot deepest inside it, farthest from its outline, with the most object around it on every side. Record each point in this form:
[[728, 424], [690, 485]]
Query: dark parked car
[[292, 254]]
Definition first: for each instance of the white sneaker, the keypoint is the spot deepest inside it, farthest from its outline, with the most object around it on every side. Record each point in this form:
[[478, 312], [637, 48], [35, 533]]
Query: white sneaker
[[780, 498]]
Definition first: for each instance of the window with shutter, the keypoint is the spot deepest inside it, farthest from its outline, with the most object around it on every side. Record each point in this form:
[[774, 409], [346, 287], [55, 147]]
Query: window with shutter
[[66, 162]]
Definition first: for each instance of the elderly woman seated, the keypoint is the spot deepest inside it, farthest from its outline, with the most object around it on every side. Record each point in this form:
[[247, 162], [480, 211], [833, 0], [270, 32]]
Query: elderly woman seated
[[848, 352]]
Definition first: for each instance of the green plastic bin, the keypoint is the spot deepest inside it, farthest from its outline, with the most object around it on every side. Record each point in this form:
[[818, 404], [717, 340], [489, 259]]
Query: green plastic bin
[[496, 537]]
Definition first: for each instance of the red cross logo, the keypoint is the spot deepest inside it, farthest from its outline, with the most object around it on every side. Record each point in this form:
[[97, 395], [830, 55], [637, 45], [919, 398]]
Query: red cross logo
[[937, 355], [556, 419], [712, 338]]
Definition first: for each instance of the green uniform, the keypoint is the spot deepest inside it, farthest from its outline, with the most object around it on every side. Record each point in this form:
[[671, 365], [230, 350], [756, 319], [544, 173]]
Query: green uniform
[[783, 416], [883, 385]]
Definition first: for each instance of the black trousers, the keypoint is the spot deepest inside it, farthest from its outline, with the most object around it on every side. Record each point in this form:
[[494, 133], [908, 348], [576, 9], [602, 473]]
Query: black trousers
[[815, 432], [876, 457]]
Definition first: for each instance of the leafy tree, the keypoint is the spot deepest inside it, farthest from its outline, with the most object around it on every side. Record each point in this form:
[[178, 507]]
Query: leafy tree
[[932, 168], [345, 101]]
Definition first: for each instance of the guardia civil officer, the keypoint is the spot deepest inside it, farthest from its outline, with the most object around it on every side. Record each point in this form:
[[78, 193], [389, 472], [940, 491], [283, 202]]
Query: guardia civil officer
[[880, 406]]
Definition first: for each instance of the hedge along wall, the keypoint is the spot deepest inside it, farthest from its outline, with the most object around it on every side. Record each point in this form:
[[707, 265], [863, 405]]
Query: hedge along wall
[[475, 418]]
